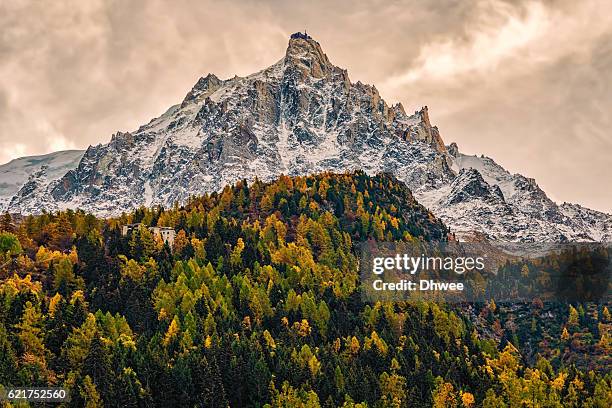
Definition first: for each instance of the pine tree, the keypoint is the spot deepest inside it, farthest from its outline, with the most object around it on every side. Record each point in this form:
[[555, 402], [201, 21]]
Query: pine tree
[[65, 234], [128, 389], [64, 279], [8, 361], [97, 365], [9, 244], [29, 331], [172, 332]]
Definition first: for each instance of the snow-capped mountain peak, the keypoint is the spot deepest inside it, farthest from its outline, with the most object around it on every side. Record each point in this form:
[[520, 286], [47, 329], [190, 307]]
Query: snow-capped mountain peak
[[15, 173], [304, 115]]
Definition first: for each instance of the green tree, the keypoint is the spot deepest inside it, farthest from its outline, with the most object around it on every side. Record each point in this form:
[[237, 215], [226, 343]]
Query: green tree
[[289, 397], [8, 361], [64, 279], [9, 244], [29, 331], [97, 365]]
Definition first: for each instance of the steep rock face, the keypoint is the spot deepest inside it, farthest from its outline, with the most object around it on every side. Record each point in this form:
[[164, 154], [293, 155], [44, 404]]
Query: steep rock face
[[303, 115], [469, 185], [30, 189]]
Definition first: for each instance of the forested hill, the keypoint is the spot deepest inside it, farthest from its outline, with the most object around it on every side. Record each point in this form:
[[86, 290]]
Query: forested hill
[[257, 302]]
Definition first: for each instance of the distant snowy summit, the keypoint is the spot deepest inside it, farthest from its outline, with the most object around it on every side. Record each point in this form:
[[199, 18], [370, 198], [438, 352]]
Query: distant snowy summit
[[487, 198], [303, 115], [44, 168]]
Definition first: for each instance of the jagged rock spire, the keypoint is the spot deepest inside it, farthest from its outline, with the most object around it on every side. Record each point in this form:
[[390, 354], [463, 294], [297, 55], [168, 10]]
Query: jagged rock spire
[[207, 84], [306, 55]]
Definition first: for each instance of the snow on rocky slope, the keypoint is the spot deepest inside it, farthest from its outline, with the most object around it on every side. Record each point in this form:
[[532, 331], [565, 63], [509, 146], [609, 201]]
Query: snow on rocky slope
[[303, 115], [15, 173], [510, 207]]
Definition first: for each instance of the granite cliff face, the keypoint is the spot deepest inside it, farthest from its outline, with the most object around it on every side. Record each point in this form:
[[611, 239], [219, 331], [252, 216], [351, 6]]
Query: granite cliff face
[[303, 115]]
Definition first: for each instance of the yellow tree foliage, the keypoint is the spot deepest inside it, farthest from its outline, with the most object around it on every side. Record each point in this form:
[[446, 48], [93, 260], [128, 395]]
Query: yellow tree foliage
[[29, 331], [302, 328], [90, 394], [605, 315], [314, 365], [289, 397], [559, 382], [374, 341], [15, 285], [53, 304], [353, 345], [44, 257], [77, 345], [565, 334], [131, 269], [572, 320], [236, 255], [444, 395], [172, 332], [525, 271], [393, 390], [180, 242]]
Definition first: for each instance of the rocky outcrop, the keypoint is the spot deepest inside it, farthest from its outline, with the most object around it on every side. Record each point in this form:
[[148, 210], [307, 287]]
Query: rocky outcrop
[[469, 185], [204, 87]]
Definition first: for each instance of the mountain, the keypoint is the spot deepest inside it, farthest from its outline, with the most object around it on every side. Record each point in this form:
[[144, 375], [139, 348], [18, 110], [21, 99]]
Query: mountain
[[45, 168], [510, 207], [304, 115]]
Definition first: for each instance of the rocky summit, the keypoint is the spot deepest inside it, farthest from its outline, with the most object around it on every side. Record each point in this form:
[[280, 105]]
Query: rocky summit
[[303, 115]]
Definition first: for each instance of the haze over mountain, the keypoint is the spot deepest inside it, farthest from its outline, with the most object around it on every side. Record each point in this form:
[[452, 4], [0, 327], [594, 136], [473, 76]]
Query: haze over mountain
[[303, 115]]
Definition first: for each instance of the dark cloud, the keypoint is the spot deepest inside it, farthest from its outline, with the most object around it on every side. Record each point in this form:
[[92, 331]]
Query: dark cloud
[[526, 82]]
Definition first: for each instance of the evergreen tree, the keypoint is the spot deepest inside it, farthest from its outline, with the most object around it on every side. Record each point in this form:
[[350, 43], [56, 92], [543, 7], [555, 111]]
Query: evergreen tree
[[97, 365]]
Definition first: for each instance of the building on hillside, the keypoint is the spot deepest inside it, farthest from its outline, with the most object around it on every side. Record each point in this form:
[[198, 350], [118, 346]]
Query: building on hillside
[[166, 234], [303, 36]]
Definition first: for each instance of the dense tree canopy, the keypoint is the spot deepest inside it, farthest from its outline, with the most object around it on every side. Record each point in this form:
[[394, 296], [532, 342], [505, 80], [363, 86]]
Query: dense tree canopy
[[256, 304]]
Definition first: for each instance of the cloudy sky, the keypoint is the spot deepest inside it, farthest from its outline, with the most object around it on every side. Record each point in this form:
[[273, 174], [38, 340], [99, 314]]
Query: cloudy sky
[[525, 82]]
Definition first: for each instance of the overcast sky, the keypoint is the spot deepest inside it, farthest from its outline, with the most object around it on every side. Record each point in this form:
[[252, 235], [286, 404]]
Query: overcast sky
[[525, 82]]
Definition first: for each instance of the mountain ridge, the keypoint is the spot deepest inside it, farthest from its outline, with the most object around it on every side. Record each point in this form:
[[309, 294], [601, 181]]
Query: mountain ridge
[[15, 173], [303, 115]]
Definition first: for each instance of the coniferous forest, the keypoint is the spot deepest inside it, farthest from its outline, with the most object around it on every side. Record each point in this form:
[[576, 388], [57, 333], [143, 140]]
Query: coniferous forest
[[257, 303]]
